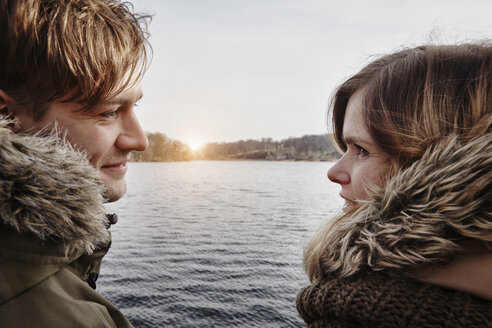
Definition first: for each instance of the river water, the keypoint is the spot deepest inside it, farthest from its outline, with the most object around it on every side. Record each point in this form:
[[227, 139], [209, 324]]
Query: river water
[[214, 243]]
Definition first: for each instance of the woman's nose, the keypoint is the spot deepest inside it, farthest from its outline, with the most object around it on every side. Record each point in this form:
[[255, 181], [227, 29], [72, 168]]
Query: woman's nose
[[338, 173]]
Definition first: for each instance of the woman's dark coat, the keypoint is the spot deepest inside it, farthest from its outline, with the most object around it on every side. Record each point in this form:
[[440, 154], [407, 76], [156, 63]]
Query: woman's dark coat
[[421, 218]]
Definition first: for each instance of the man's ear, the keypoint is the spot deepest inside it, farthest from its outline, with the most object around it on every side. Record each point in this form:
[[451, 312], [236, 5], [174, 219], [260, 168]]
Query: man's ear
[[6, 103], [3, 103]]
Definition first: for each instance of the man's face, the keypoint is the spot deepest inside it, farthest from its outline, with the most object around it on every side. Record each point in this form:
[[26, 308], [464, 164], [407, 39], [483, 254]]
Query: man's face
[[107, 134]]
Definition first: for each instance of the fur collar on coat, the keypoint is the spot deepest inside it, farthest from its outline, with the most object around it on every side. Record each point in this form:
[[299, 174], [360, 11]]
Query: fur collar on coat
[[49, 191], [422, 215]]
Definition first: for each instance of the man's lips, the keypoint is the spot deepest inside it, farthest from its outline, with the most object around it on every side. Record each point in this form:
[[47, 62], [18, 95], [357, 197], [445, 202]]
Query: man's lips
[[117, 169], [117, 162], [114, 165]]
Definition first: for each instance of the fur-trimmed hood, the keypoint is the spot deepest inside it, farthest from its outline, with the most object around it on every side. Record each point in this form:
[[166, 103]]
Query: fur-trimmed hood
[[49, 191], [422, 215]]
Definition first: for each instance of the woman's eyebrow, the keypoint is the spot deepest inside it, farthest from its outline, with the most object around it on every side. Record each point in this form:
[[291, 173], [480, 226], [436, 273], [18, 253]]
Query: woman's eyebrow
[[356, 140]]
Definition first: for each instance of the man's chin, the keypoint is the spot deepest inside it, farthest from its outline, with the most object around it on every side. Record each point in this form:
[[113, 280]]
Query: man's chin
[[114, 190]]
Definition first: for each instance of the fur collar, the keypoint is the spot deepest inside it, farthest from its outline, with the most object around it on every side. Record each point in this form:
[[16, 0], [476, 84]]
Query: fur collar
[[49, 191], [422, 215]]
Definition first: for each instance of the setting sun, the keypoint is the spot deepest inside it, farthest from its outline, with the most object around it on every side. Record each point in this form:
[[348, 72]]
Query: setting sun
[[195, 144]]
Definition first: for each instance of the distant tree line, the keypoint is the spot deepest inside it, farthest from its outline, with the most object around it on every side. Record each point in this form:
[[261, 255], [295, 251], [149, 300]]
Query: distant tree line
[[163, 149], [308, 147]]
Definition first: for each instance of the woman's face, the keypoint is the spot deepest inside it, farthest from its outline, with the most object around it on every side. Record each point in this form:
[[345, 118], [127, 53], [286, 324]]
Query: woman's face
[[363, 162]]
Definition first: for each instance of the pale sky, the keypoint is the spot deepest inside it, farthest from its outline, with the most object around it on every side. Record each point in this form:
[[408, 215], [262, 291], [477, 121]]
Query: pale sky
[[225, 70]]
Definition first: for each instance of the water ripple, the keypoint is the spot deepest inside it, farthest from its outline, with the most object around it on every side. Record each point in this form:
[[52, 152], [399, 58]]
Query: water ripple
[[214, 244]]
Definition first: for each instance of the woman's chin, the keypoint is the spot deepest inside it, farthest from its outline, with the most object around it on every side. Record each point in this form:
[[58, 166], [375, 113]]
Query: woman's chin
[[348, 206]]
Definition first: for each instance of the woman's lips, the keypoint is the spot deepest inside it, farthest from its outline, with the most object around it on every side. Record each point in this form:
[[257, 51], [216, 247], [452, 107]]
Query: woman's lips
[[348, 204]]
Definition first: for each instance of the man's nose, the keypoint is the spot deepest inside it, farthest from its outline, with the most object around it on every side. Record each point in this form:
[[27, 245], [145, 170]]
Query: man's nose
[[132, 136]]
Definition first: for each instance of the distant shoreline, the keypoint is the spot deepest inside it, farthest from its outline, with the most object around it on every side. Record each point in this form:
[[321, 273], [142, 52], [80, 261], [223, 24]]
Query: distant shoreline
[[312, 148], [237, 160]]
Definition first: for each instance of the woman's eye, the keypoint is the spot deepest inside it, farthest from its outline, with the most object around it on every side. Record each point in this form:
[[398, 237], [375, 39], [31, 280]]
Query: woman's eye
[[362, 151]]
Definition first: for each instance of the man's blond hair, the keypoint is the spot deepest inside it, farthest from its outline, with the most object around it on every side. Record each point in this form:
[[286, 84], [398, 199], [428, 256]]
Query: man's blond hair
[[74, 50]]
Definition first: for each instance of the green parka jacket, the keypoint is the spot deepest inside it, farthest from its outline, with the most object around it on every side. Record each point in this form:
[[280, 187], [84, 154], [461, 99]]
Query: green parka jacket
[[53, 236]]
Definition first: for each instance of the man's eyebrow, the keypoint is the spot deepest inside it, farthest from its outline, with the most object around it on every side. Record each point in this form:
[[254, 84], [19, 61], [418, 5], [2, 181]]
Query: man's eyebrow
[[123, 100]]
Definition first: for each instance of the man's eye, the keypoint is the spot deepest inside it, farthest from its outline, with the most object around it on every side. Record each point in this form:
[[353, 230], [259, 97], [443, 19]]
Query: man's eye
[[110, 114]]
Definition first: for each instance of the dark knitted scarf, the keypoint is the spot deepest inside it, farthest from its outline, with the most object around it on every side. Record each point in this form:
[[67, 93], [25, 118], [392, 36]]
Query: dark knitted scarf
[[379, 300]]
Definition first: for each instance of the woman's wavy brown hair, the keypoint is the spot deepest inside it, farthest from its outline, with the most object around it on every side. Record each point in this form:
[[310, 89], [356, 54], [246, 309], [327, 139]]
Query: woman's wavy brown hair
[[75, 50], [413, 98], [416, 96]]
